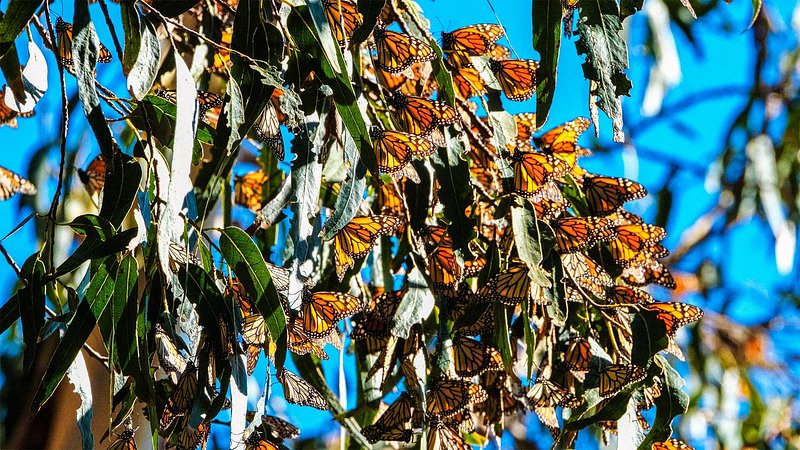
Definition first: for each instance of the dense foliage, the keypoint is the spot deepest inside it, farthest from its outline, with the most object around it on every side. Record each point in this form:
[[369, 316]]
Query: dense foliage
[[461, 253]]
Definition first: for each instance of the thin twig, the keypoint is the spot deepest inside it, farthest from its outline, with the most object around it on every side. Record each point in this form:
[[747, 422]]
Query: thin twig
[[113, 31]]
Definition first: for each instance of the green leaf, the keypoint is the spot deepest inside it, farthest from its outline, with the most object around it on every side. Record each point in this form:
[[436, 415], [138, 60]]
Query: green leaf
[[201, 290], [123, 175], [649, 336], [671, 403], [133, 36], [530, 241], [442, 75], [351, 194], [370, 9], [502, 335], [95, 247], [9, 313], [78, 330], [16, 17], [455, 193], [606, 53], [234, 113], [547, 41], [246, 261], [119, 330], [142, 57], [630, 7], [31, 305]]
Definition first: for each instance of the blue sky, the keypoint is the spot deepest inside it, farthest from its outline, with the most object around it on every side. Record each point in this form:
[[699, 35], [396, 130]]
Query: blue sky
[[717, 66]]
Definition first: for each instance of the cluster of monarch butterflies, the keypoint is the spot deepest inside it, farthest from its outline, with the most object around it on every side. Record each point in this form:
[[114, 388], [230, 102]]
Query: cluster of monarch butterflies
[[457, 380]]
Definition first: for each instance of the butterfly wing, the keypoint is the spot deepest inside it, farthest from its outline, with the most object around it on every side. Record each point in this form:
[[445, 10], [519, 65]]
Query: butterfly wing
[[397, 51], [299, 392], [344, 18], [517, 77], [323, 310]]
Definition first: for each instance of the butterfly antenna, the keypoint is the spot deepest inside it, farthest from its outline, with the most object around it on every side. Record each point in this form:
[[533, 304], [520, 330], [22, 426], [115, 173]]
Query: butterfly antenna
[[500, 22]]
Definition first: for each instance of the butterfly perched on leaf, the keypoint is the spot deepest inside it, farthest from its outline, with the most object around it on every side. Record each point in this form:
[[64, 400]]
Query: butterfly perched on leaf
[[511, 286], [396, 423], [94, 177], [533, 170], [447, 397], [257, 441], [124, 441], [562, 141], [248, 189], [344, 19], [299, 392], [277, 428], [11, 183], [397, 51], [8, 117], [268, 129], [205, 100], [675, 314], [190, 438], [627, 295], [578, 355], [544, 393], [182, 397], [169, 358], [633, 240], [357, 238], [605, 195], [64, 38], [517, 77], [472, 358], [642, 273], [671, 444], [473, 40], [395, 149], [421, 116], [322, 311], [615, 377], [222, 58], [444, 437], [467, 82], [575, 233]]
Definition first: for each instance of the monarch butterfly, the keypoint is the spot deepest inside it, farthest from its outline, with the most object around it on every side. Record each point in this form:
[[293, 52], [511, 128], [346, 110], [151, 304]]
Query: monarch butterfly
[[642, 273], [253, 353], [575, 233], [299, 392], [586, 272], [344, 18], [394, 149], [321, 311], [256, 441], [435, 236], [483, 324], [472, 358], [248, 189], [182, 398], [447, 397], [11, 183], [547, 415], [500, 52], [578, 355], [269, 130], [191, 438], [443, 437], [461, 422], [650, 394], [300, 343], [675, 314], [444, 268], [357, 238], [222, 58], [562, 141], [672, 444], [421, 116], [633, 239], [277, 428], [169, 358], [526, 125], [549, 203], [627, 295], [390, 202], [64, 37], [206, 100], [7, 115], [94, 177], [397, 51], [500, 399], [384, 305], [124, 441], [545, 393], [473, 40], [394, 423], [614, 377], [532, 170], [510, 286], [517, 77], [467, 83], [474, 266], [606, 194]]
